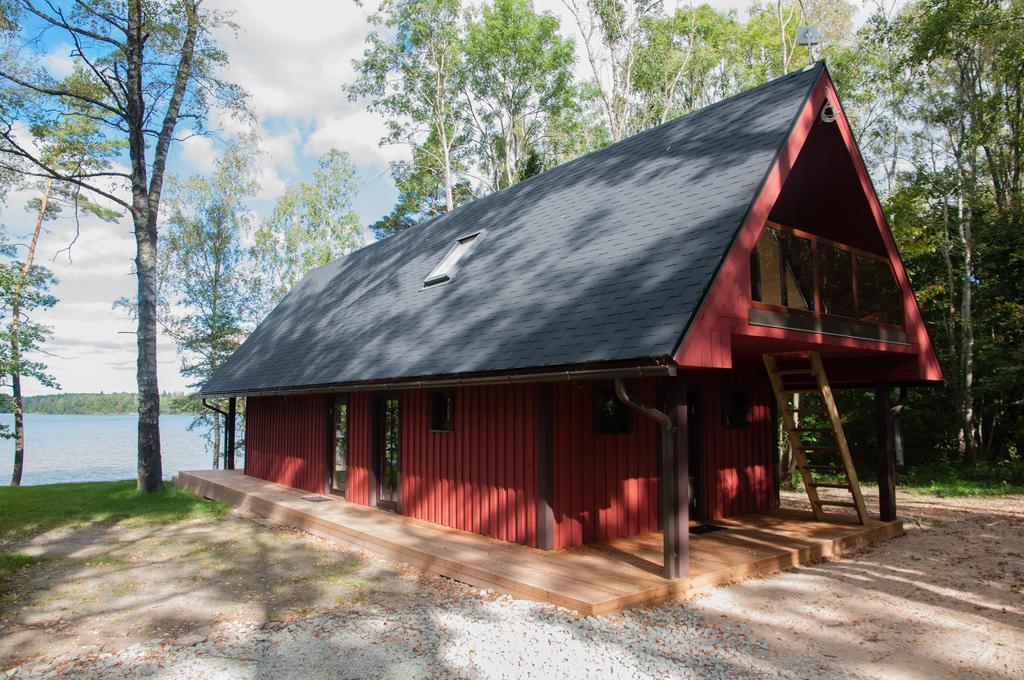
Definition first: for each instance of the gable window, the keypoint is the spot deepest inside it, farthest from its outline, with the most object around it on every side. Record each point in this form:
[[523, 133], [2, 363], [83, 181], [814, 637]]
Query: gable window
[[442, 411], [611, 416], [795, 272], [735, 408], [449, 264]]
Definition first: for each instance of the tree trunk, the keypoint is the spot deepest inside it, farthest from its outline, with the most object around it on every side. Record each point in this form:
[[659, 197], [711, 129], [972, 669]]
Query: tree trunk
[[216, 441], [19, 408], [967, 339], [150, 467]]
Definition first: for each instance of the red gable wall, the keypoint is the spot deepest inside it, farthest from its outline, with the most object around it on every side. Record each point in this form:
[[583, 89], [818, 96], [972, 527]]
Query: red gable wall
[[708, 342]]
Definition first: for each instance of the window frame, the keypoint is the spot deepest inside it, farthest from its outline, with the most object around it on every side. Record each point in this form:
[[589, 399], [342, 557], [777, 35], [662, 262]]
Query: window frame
[[332, 470], [623, 417], [438, 278], [816, 313], [728, 411], [432, 425]]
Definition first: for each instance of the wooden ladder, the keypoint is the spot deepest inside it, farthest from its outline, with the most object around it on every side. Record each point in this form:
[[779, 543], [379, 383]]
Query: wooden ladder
[[809, 364]]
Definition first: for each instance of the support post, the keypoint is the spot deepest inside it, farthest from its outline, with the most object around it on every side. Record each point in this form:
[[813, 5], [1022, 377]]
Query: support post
[[229, 434], [677, 474], [886, 457], [545, 469]]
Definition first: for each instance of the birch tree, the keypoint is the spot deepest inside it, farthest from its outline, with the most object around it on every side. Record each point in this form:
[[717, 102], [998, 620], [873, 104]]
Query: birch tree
[[207, 276], [409, 73], [145, 67]]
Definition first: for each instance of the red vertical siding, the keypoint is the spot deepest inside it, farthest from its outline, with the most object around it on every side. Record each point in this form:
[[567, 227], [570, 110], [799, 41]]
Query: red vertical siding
[[605, 485], [480, 477], [286, 440], [739, 463]]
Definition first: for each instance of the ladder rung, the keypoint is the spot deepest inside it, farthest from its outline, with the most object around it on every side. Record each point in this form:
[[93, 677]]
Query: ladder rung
[[795, 371], [812, 429], [830, 485], [825, 468], [807, 409], [812, 390], [813, 447], [840, 504]]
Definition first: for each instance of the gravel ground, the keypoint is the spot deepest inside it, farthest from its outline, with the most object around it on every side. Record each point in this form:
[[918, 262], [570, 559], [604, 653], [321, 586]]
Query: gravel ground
[[482, 637], [946, 600]]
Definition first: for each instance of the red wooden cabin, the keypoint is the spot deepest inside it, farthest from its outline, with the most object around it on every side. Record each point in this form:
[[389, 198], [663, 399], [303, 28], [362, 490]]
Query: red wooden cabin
[[579, 357]]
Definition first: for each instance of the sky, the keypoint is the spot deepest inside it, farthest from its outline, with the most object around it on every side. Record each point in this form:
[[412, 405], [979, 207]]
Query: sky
[[294, 59]]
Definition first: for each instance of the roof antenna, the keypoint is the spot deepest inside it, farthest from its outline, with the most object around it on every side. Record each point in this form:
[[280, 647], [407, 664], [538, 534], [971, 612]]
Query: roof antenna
[[809, 36]]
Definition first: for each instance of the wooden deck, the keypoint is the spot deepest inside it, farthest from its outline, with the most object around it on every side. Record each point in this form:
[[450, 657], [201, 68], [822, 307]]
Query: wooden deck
[[594, 579]]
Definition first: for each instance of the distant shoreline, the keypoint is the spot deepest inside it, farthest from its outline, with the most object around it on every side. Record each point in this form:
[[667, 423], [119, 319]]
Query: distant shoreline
[[101, 404]]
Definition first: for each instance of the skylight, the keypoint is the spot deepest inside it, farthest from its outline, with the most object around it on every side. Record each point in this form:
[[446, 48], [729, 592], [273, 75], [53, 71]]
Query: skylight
[[445, 270]]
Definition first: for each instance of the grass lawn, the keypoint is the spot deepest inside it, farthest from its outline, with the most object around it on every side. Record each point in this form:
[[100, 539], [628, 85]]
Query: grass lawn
[[30, 510], [949, 480]]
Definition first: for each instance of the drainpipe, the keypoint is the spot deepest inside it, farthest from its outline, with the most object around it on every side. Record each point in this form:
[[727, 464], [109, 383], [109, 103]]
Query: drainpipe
[[666, 505]]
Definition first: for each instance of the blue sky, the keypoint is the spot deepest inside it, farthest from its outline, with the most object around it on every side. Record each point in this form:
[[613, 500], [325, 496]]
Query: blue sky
[[294, 59]]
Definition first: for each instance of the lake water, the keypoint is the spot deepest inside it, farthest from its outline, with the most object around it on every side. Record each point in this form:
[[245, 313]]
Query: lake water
[[71, 448]]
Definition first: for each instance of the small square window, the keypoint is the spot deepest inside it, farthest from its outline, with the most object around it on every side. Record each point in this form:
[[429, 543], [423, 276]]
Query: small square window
[[442, 411], [611, 416], [735, 408]]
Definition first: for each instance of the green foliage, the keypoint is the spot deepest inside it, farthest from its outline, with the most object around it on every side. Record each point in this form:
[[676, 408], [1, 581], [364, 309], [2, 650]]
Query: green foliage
[[312, 224], [948, 478], [209, 287], [518, 77], [31, 510], [421, 192], [410, 73], [113, 403]]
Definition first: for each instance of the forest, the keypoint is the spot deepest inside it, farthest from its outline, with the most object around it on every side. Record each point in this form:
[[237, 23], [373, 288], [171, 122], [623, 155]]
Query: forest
[[113, 403], [484, 95]]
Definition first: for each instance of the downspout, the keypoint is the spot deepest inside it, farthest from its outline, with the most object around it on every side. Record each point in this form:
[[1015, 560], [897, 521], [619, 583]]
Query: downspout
[[667, 513]]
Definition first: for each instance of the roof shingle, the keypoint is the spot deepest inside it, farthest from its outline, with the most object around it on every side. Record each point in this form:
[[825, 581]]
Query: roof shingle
[[602, 259]]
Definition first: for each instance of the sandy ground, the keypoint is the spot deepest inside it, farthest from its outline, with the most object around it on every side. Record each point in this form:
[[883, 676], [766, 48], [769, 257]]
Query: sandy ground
[[236, 598], [946, 599]]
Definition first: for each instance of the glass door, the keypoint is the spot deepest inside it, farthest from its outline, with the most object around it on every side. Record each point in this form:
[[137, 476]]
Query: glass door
[[389, 458], [339, 454]]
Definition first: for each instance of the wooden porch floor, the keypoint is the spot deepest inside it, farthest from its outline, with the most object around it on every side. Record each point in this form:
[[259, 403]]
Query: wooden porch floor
[[595, 579]]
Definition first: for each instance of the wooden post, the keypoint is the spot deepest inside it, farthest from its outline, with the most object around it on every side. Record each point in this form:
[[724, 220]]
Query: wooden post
[[886, 458], [229, 434], [545, 469], [675, 484]]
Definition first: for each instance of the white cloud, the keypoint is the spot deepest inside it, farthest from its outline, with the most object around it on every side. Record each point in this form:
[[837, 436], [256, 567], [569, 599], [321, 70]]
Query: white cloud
[[197, 150], [358, 133], [58, 61]]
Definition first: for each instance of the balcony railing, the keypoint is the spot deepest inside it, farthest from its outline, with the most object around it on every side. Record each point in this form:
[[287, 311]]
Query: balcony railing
[[796, 273]]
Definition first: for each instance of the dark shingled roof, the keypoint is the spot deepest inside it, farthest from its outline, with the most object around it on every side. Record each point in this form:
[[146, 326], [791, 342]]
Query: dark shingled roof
[[602, 259]]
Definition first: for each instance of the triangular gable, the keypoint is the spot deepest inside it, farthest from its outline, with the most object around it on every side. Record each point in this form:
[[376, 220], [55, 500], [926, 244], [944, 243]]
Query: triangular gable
[[708, 340]]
